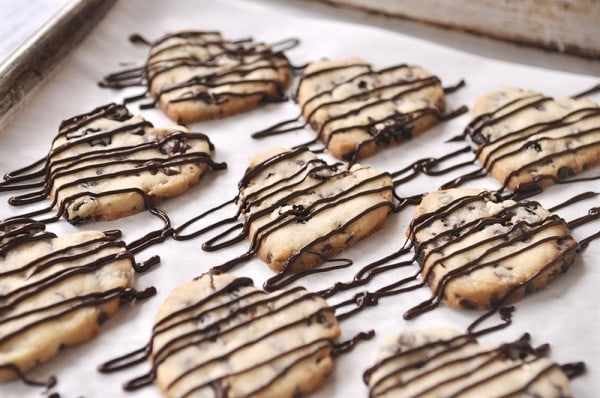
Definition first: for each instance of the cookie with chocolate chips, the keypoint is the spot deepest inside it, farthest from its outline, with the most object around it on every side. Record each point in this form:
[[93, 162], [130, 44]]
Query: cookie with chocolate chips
[[477, 251], [55, 292], [108, 163], [298, 210], [195, 75], [219, 336], [528, 140], [444, 363], [355, 110]]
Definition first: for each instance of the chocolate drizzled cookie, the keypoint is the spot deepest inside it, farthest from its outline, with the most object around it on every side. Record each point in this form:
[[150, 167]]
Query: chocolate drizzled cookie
[[198, 75], [477, 251], [445, 363], [298, 210], [528, 141], [56, 292], [108, 163], [219, 336]]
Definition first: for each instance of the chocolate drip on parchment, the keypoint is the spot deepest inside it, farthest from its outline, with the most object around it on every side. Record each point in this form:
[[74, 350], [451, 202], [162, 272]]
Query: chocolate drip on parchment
[[589, 91], [592, 215], [51, 382]]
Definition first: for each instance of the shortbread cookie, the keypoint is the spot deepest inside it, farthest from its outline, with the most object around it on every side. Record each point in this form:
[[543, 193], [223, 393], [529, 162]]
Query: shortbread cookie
[[477, 251], [219, 336], [298, 210], [444, 363], [196, 76], [55, 291], [108, 164], [355, 110], [528, 141]]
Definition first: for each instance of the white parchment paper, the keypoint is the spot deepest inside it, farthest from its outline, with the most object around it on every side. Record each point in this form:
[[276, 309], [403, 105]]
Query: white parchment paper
[[566, 314]]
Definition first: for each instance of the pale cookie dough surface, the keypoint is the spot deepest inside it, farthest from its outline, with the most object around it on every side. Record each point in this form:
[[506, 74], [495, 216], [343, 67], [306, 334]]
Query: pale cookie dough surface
[[527, 140], [102, 164], [56, 291], [476, 251], [443, 363], [220, 336], [355, 110], [298, 210], [200, 75]]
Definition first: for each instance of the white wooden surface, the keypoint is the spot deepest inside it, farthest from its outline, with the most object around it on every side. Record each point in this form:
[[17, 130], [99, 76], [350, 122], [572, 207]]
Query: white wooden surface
[[571, 26]]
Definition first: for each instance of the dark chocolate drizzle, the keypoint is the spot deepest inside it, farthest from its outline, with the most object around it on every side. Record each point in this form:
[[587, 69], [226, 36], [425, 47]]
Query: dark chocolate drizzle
[[572, 200], [51, 382], [147, 265], [519, 139], [397, 127], [427, 166], [587, 92], [361, 300], [284, 279], [430, 167], [242, 309], [177, 232], [44, 173], [451, 89], [243, 57], [136, 38], [348, 345], [573, 370], [58, 265], [593, 214], [368, 272]]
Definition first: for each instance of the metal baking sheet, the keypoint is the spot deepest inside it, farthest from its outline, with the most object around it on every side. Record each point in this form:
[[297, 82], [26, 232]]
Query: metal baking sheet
[[32, 61]]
